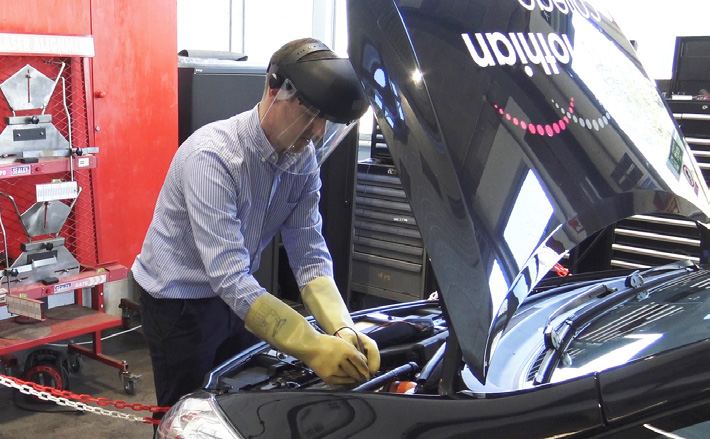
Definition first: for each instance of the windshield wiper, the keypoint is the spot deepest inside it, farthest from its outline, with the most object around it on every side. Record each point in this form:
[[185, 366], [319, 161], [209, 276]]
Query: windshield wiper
[[558, 340], [686, 263]]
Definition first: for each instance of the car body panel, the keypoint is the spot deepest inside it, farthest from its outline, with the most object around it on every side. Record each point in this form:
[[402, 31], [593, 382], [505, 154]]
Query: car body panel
[[316, 414], [656, 384], [259, 401], [509, 163]]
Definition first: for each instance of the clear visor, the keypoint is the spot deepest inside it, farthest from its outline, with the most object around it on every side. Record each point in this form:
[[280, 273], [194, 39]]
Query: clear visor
[[300, 138]]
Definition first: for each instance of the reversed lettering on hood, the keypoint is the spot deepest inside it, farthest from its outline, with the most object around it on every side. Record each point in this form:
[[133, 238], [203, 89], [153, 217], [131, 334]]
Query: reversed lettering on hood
[[496, 48], [582, 7], [489, 49]]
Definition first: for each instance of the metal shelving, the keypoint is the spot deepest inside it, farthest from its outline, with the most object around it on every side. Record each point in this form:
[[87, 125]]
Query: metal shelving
[[646, 240]]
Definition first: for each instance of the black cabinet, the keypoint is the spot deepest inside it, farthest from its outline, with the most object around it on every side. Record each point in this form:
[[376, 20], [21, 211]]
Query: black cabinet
[[646, 240], [388, 257]]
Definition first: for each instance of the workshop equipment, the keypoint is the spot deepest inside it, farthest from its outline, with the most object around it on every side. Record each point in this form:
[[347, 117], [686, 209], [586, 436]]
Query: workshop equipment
[[45, 260], [33, 135], [48, 215]]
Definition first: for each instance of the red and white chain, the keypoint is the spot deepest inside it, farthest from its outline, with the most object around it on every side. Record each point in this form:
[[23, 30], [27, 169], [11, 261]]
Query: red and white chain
[[27, 389]]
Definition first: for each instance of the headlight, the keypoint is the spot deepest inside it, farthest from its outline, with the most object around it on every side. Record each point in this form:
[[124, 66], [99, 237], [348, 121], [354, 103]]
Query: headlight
[[196, 416]]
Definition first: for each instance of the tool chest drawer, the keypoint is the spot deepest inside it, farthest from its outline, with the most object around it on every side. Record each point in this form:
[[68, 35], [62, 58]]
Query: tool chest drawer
[[388, 257], [648, 240]]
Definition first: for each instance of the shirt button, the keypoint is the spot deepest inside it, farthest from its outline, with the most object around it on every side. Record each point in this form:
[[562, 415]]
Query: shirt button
[[263, 160]]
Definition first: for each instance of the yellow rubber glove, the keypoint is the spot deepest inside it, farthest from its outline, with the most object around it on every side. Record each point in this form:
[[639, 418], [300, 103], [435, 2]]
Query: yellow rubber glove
[[323, 300], [334, 360]]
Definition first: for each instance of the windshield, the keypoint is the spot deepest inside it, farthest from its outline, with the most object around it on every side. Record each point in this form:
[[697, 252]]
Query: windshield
[[672, 314]]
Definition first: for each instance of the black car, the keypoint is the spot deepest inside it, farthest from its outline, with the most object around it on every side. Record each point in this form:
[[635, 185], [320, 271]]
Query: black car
[[519, 129]]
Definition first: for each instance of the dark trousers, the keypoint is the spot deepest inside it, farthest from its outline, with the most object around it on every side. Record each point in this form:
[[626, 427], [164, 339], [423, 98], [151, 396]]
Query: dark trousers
[[187, 338]]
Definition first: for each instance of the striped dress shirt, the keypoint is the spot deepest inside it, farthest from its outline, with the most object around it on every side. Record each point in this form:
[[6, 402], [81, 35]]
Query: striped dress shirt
[[225, 196]]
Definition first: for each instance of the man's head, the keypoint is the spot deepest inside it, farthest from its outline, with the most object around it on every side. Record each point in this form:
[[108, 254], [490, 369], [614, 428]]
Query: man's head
[[303, 49], [309, 92]]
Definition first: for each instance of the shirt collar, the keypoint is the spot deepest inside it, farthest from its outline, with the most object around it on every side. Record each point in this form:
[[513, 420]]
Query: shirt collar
[[262, 146], [266, 151]]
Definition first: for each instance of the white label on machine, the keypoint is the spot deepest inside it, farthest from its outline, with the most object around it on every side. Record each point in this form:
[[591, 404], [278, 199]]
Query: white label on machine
[[67, 45], [57, 191], [83, 283], [83, 162], [24, 307], [21, 170]]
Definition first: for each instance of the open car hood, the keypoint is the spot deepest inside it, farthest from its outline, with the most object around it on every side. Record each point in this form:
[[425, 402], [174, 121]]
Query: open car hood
[[518, 128]]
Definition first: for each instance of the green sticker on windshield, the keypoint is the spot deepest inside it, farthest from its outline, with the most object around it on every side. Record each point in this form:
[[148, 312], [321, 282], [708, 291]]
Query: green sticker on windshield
[[675, 158]]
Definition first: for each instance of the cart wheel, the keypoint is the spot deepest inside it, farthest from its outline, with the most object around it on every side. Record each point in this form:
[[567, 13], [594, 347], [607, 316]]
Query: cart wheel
[[45, 375], [75, 363], [129, 380], [47, 367], [130, 386]]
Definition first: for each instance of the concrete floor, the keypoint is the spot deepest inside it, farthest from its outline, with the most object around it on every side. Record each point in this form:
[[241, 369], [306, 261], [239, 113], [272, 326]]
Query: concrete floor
[[23, 419]]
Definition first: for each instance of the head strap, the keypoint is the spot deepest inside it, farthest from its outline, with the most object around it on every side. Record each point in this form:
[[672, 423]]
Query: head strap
[[299, 52]]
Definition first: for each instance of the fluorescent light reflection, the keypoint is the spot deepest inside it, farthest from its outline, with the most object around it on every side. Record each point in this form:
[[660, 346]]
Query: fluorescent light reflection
[[380, 78], [528, 219], [629, 97], [617, 357], [498, 286], [662, 432]]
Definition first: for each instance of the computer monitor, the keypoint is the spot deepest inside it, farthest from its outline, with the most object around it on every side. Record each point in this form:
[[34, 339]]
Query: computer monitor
[[691, 66], [210, 90]]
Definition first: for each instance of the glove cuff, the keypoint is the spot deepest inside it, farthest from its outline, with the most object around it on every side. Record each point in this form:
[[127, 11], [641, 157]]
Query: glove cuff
[[323, 300]]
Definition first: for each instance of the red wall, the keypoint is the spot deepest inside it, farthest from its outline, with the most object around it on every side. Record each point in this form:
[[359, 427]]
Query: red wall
[[135, 67], [59, 17]]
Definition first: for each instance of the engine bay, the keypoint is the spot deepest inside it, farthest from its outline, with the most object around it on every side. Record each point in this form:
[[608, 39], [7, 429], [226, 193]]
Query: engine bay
[[411, 339]]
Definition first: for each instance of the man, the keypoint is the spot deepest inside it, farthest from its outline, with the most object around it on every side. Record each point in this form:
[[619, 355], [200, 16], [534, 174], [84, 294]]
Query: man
[[230, 188]]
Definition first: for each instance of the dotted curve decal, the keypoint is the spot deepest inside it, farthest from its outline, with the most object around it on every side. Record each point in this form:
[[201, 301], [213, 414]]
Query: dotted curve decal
[[559, 126]]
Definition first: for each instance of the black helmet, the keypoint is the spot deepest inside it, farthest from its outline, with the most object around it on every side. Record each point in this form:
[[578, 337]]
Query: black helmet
[[327, 86]]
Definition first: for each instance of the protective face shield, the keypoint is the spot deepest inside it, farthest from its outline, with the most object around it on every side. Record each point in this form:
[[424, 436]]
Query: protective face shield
[[315, 105]]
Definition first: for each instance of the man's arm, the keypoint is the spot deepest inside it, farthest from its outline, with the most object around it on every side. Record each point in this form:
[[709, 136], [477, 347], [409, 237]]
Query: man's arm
[[302, 236], [312, 265], [211, 202]]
